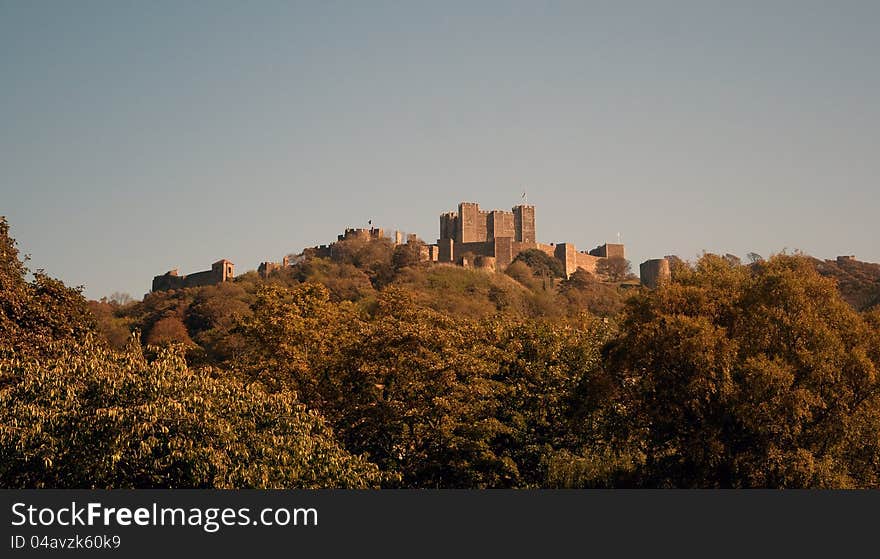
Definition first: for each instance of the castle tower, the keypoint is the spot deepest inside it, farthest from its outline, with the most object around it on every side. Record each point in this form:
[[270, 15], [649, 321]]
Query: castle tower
[[499, 224], [223, 270], [524, 224], [448, 225], [654, 273], [471, 223]]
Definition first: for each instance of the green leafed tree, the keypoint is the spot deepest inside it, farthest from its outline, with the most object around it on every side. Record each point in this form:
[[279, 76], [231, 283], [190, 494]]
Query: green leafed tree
[[35, 313], [95, 418]]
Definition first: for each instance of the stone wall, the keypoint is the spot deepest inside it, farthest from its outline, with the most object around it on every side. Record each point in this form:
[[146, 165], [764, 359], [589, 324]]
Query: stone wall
[[587, 261], [500, 224], [221, 271], [566, 253], [654, 273], [372, 234], [266, 268], [608, 250], [448, 225], [524, 224], [471, 224]]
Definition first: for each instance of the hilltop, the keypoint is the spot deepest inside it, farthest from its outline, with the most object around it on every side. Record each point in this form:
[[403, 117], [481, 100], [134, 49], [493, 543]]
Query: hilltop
[[357, 272], [858, 282]]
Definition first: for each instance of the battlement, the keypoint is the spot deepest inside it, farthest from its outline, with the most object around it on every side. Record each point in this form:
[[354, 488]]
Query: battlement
[[372, 234], [221, 271], [266, 268], [470, 224]]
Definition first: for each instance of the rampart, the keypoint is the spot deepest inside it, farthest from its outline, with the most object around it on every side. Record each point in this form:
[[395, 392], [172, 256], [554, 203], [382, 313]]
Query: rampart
[[221, 271]]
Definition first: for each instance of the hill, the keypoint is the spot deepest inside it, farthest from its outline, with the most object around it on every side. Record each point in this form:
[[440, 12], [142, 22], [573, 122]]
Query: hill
[[858, 282]]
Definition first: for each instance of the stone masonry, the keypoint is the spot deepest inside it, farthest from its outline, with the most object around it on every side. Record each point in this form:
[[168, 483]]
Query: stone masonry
[[493, 239], [221, 271]]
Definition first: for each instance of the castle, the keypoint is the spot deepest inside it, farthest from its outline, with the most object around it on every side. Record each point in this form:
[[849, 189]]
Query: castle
[[469, 237], [472, 237], [493, 239]]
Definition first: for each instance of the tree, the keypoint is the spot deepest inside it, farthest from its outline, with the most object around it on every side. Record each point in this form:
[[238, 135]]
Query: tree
[[759, 376], [614, 269], [522, 273], [95, 418], [168, 331], [408, 254], [582, 291], [34, 314], [542, 264]]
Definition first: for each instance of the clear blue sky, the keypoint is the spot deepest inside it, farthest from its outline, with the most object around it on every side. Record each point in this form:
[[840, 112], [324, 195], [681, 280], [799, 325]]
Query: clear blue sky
[[140, 136]]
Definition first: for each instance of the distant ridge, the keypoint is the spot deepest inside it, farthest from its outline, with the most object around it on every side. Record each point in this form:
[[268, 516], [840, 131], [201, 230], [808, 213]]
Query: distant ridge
[[858, 282]]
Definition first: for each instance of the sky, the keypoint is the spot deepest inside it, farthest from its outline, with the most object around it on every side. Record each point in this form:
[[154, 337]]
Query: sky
[[136, 137]]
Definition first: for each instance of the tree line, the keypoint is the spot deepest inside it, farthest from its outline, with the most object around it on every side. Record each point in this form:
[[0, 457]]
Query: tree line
[[371, 369]]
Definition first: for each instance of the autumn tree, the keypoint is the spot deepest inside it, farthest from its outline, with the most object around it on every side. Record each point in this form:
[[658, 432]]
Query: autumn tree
[[542, 264], [168, 331], [583, 291], [408, 254], [614, 269], [761, 376]]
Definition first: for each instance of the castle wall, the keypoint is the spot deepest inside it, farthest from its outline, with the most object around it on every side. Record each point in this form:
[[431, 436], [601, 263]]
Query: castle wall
[[266, 268], [222, 270], [504, 252], [549, 250], [482, 248], [445, 250], [322, 251], [167, 282], [586, 261], [654, 273], [608, 250], [372, 234], [200, 279], [566, 253]]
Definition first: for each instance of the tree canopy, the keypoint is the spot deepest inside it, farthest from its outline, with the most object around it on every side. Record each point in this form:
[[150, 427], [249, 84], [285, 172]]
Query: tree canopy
[[749, 377], [368, 369]]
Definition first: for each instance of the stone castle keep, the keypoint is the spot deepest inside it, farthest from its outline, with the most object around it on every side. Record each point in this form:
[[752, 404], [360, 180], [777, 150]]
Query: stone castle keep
[[493, 239], [469, 237]]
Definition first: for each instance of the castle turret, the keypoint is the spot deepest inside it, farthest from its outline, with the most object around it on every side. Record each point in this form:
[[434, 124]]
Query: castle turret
[[654, 273]]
